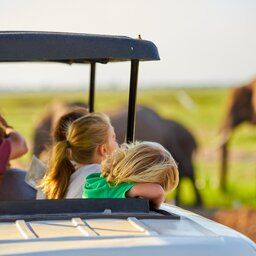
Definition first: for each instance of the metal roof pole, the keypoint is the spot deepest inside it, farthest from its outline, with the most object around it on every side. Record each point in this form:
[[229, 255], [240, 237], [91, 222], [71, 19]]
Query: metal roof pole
[[92, 87], [131, 121]]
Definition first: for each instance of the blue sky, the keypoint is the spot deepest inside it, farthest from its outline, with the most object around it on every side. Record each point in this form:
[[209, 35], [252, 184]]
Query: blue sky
[[200, 41]]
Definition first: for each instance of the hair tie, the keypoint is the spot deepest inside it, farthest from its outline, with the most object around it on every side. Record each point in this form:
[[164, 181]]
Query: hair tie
[[68, 143]]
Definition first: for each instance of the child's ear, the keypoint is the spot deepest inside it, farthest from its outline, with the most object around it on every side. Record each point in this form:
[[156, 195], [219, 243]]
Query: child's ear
[[102, 150]]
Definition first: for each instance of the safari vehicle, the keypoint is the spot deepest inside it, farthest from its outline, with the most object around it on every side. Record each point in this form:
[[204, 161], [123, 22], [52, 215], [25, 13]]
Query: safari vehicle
[[103, 226]]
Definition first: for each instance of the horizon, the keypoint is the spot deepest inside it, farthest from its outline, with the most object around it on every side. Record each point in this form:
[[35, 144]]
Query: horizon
[[81, 88]]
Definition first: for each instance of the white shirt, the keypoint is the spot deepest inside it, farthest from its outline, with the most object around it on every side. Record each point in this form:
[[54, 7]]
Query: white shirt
[[77, 181]]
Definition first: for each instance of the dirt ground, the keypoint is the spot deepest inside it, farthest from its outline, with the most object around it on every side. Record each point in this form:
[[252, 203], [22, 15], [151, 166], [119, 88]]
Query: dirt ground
[[241, 219]]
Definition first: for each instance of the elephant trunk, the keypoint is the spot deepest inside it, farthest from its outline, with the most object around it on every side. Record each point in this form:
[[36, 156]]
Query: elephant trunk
[[223, 145], [224, 166]]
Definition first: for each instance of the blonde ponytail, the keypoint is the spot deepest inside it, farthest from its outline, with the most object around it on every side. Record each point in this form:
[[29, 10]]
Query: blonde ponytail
[[55, 183]]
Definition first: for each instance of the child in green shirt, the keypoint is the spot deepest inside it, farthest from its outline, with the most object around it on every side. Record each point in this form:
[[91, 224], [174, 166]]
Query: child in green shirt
[[143, 169]]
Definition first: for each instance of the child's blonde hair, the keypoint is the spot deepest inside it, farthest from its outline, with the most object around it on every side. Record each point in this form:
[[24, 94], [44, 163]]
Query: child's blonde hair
[[141, 162], [83, 136]]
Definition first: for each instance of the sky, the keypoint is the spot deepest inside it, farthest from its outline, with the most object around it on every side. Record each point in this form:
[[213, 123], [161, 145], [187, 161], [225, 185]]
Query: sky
[[201, 42]]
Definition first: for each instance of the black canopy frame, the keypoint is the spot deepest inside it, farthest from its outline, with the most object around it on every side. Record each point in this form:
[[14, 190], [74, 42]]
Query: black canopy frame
[[29, 46], [90, 208]]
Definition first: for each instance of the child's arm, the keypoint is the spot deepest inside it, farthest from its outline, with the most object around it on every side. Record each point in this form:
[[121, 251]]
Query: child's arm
[[153, 192]]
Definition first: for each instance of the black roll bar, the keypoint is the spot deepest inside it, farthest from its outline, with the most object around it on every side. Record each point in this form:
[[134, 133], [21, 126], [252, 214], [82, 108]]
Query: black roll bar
[[92, 87], [131, 120]]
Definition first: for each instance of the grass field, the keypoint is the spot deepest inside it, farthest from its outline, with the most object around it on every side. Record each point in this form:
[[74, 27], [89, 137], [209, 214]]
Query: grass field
[[201, 111]]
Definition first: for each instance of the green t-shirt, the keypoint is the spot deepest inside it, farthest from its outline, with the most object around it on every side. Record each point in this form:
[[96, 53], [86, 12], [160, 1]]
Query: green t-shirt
[[97, 187]]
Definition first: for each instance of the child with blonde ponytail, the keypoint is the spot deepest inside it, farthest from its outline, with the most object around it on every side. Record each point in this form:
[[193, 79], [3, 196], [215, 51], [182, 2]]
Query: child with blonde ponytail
[[89, 140], [143, 169]]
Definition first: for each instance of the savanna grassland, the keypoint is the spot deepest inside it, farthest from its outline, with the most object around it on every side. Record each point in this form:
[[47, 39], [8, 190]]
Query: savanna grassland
[[200, 110]]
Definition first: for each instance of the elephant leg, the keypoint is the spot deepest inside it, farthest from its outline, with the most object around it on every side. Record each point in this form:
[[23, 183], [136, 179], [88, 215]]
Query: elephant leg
[[177, 196], [224, 167], [198, 198], [199, 201], [186, 170]]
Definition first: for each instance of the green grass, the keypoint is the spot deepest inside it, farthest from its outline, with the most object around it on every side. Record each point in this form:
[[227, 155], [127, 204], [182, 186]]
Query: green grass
[[201, 111]]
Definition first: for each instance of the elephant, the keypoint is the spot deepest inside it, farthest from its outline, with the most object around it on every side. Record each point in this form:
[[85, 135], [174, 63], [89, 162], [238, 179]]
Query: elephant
[[149, 126], [241, 108]]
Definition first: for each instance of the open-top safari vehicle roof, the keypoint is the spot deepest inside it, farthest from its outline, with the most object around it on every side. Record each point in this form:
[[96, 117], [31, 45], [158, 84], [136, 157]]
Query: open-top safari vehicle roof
[[73, 47], [103, 226], [80, 48]]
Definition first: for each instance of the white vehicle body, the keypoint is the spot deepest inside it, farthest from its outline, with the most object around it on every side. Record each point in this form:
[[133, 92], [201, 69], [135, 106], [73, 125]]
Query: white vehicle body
[[188, 234]]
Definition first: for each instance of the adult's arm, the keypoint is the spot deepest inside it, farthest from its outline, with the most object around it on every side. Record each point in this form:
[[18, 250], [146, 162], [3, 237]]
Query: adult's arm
[[153, 192], [18, 143]]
